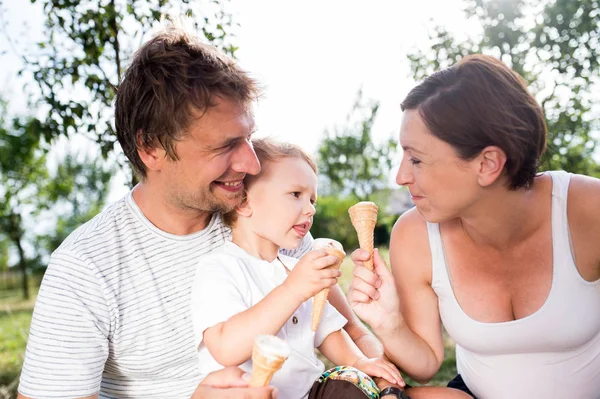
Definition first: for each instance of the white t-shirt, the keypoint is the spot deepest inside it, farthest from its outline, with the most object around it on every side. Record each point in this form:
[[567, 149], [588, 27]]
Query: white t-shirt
[[229, 281], [113, 311]]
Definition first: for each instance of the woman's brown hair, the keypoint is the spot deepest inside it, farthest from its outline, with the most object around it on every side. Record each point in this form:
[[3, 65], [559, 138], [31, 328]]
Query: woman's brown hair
[[480, 102]]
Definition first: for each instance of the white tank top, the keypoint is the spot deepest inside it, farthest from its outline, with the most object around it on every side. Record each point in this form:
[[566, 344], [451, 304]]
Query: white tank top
[[552, 353]]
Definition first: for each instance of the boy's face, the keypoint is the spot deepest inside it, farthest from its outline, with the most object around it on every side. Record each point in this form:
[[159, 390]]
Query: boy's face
[[282, 201]]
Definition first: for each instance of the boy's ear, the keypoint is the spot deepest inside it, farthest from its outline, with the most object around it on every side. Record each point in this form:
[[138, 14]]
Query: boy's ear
[[244, 209], [151, 156]]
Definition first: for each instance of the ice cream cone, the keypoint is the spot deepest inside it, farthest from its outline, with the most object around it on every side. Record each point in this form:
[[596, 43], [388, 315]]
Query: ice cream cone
[[336, 249], [268, 355], [364, 218]]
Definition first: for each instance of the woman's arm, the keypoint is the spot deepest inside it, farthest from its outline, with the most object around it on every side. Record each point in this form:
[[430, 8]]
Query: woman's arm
[[360, 334], [402, 308], [584, 224]]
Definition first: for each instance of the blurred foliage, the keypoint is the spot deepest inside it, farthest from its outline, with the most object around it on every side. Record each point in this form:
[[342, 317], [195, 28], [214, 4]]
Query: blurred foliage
[[332, 221], [352, 168], [75, 192], [350, 162], [79, 66], [555, 46]]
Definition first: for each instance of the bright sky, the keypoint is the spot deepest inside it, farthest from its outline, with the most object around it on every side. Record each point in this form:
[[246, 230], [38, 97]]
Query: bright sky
[[313, 57]]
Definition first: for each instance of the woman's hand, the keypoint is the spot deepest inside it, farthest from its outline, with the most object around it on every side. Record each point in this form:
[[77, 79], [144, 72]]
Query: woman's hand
[[380, 367], [372, 295]]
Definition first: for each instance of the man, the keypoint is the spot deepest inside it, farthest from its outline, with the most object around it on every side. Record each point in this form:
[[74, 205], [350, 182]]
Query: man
[[112, 319]]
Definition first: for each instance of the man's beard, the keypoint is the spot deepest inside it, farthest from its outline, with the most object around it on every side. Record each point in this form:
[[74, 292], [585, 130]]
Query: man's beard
[[209, 202]]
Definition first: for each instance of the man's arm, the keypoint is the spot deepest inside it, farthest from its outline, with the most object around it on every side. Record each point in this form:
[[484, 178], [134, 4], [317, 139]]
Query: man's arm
[[68, 340], [360, 334]]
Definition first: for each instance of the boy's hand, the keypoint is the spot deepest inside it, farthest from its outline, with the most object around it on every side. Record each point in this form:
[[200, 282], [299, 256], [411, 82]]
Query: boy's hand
[[312, 274], [379, 367]]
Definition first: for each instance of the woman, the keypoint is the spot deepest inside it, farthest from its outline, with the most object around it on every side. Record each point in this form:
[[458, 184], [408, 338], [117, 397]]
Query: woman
[[507, 258]]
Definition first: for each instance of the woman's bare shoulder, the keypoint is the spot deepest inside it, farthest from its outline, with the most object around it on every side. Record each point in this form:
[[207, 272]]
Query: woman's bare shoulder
[[410, 226], [583, 210], [584, 199], [409, 243]]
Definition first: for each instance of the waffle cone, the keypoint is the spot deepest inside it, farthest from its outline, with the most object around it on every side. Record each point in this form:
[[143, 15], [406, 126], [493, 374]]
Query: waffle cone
[[263, 368], [320, 299], [364, 218]]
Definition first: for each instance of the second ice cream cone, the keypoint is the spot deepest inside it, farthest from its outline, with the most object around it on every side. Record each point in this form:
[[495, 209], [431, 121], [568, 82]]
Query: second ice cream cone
[[268, 355], [334, 248], [364, 218]]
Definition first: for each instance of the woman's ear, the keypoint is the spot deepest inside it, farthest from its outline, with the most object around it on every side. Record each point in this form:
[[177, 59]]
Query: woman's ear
[[491, 162]]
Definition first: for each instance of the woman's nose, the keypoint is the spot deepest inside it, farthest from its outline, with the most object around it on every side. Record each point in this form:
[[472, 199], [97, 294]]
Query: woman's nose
[[404, 176]]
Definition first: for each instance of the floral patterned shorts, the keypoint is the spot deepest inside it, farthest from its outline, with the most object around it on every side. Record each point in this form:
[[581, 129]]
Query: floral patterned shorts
[[344, 382]]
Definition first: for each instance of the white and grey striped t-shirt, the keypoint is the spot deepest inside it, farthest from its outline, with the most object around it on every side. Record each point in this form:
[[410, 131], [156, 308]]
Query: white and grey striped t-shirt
[[113, 312]]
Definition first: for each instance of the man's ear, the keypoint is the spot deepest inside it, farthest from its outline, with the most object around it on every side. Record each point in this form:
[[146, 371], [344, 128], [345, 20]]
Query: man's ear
[[490, 165], [152, 156]]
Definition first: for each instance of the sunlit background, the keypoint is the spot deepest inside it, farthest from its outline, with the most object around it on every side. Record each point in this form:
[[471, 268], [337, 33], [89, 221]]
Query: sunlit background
[[329, 68]]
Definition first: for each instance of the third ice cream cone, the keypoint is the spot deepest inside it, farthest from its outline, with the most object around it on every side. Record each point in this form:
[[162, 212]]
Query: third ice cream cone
[[268, 355], [364, 218]]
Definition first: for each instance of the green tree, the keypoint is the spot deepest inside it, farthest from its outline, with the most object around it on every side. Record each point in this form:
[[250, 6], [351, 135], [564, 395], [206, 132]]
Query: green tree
[[22, 173], [554, 46], [79, 65], [28, 189], [350, 162]]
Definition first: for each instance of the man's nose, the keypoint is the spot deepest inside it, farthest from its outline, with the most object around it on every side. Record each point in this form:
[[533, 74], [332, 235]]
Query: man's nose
[[245, 160]]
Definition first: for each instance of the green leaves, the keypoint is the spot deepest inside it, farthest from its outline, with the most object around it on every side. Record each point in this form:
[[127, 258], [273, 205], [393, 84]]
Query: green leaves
[[350, 161], [554, 46], [80, 65]]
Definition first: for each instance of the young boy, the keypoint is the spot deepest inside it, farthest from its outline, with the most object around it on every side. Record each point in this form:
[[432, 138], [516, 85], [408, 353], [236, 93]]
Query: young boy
[[245, 288]]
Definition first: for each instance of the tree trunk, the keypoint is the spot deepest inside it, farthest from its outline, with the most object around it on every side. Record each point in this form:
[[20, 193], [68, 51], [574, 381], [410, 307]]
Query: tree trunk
[[23, 267]]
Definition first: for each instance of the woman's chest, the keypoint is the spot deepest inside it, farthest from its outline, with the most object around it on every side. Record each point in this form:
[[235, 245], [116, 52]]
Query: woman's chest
[[499, 286]]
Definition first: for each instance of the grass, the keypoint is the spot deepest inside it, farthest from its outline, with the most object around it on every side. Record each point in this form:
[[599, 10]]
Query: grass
[[448, 368], [15, 317], [14, 327]]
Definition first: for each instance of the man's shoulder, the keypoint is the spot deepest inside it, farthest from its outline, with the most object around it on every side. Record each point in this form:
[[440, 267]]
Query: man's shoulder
[[102, 226]]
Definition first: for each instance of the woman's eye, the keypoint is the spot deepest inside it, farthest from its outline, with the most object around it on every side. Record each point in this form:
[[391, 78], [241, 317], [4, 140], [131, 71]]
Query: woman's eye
[[414, 161]]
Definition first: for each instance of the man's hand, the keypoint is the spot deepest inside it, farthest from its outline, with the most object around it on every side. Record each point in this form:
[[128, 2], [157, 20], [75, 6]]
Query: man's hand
[[231, 383]]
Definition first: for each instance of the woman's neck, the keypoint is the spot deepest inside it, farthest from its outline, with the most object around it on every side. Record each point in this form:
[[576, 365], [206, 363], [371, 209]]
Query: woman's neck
[[246, 238], [503, 218]]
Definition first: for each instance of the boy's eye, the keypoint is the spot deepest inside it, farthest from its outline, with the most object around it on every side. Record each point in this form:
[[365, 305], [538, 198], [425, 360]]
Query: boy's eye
[[296, 194]]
